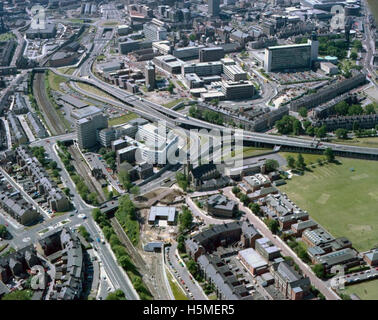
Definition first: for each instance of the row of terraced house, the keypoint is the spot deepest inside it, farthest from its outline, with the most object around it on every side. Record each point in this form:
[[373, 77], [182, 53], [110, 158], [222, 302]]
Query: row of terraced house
[[30, 166]]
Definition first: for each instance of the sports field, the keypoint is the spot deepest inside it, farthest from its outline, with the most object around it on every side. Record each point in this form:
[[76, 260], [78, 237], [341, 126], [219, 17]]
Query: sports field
[[342, 198], [365, 290]]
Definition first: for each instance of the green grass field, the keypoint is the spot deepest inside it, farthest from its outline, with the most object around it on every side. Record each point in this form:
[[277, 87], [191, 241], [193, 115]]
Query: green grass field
[[67, 70], [343, 201], [94, 90], [366, 290], [122, 119], [172, 103], [176, 290], [55, 81], [7, 36], [254, 151]]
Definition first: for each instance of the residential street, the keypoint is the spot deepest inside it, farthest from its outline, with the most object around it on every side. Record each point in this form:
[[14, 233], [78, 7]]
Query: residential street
[[286, 250]]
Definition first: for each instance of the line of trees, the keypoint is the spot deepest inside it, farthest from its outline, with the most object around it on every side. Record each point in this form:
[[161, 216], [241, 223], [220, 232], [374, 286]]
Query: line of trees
[[121, 254]]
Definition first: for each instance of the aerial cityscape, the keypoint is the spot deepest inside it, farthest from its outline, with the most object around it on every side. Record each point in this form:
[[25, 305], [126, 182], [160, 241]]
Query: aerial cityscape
[[188, 150]]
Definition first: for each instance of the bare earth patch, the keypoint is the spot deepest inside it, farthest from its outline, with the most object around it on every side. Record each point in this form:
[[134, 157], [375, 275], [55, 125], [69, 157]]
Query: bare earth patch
[[323, 198], [359, 228], [360, 176]]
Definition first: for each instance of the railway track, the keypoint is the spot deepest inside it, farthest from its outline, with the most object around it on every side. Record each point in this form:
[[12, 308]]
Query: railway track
[[50, 114], [139, 262], [83, 171]]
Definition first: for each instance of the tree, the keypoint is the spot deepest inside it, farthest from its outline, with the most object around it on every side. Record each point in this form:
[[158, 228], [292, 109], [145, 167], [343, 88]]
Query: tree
[[124, 179], [303, 112], [185, 219], [355, 109], [297, 127], [244, 198], [319, 270], [135, 190], [306, 124], [357, 44], [181, 244], [255, 208], [321, 132], [67, 191], [116, 295], [182, 180], [214, 102], [329, 154], [345, 296], [353, 55], [310, 131], [370, 109], [53, 165], [170, 88], [341, 133], [3, 231], [271, 165], [290, 161], [285, 125], [55, 173], [92, 198], [110, 195], [192, 37], [341, 108], [102, 151], [85, 234], [235, 190], [193, 268], [300, 162], [273, 225]]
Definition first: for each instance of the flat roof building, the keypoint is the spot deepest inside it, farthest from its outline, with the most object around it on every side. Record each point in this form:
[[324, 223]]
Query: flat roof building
[[238, 89], [188, 52], [163, 213], [42, 31], [169, 63], [73, 101], [253, 261], [234, 73], [266, 248], [88, 122], [203, 68], [219, 205], [211, 54], [154, 32], [346, 257], [287, 57]]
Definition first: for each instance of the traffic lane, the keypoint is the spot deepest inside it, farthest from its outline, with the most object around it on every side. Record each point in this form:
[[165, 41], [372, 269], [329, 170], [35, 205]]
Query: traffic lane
[[112, 268], [183, 273]]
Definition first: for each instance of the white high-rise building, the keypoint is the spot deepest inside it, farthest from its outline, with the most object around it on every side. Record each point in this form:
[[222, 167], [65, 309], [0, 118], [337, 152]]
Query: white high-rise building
[[89, 121]]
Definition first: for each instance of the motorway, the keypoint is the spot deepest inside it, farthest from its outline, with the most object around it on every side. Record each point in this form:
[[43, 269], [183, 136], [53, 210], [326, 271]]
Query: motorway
[[173, 119]]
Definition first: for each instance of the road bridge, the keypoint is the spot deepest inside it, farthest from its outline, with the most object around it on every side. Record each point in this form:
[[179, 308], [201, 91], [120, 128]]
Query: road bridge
[[173, 119]]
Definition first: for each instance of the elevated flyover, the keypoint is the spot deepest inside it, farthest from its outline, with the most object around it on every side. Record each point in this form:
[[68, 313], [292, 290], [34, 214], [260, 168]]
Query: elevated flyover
[[156, 112]]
